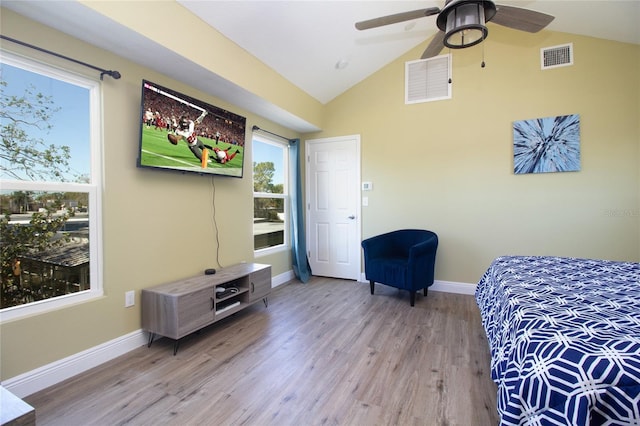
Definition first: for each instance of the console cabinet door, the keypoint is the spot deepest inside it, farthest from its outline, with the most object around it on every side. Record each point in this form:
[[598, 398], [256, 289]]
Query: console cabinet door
[[260, 284], [194, 311]]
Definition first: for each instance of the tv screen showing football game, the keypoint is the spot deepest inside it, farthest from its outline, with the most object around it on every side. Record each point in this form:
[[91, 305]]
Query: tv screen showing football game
[[180, 133]]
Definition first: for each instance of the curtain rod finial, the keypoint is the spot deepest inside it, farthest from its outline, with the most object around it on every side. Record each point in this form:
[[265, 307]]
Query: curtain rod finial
[[114, 74]]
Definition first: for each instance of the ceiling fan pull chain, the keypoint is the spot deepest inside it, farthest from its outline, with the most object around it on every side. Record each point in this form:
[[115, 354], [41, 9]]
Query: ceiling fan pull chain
[[483, 41], [449, 65]]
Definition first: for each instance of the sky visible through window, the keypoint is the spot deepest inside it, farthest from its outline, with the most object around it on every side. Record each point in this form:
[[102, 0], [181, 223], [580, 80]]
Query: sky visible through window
[[265, 152], [70, 123]]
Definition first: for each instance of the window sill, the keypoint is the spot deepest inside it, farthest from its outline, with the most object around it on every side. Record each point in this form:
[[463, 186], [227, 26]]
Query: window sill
[[271, 250], [48, 305]]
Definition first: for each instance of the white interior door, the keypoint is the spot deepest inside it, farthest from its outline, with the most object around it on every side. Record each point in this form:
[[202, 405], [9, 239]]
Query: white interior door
[[333, 206]]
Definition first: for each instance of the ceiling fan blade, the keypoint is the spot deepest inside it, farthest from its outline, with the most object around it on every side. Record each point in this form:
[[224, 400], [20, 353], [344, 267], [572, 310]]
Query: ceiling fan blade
[[398, 17], [435, 47], [521, 19]]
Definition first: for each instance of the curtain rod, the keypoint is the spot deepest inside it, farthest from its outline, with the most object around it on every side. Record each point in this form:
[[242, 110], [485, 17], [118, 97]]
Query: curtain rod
[[115, 74], [256, 128]]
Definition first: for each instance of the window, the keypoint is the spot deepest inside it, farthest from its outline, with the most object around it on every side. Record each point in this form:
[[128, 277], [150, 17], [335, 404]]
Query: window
[[50, 171], [270, 194]]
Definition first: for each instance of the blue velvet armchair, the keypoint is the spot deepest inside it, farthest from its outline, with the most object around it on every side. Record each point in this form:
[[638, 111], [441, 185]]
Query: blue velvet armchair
[[404, 259]]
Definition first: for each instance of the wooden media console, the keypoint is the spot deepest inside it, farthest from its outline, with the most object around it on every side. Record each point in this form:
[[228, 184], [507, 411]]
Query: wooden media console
[[182, 307]]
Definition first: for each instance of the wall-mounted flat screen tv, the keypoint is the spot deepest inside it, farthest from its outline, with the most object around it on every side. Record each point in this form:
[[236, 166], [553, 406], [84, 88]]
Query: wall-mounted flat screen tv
[[180, 133]]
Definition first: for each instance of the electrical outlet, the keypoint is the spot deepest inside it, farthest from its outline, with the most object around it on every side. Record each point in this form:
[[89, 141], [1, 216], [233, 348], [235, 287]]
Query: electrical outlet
[[129, 299]]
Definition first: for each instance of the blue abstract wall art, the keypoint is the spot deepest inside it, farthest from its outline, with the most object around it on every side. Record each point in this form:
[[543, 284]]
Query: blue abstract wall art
[[544, 145]]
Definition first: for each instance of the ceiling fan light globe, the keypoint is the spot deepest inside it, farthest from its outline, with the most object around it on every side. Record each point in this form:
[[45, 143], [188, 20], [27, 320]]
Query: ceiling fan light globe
[[467, 36], [463, 22]]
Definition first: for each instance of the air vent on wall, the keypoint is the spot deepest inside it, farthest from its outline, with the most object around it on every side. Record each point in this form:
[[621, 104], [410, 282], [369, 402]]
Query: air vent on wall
[[427, 80], [556, 56]]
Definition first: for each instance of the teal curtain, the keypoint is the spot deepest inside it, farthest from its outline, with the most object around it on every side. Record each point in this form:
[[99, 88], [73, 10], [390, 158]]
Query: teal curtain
[[301, 267]]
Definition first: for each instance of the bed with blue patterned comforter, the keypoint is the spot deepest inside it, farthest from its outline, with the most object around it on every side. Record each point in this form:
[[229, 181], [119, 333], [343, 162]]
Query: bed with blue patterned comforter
[[564, 335]]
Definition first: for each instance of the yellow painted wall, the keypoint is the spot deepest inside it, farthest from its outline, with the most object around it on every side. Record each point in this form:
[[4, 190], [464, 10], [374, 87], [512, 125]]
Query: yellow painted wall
[[158, 226], [448, 165]]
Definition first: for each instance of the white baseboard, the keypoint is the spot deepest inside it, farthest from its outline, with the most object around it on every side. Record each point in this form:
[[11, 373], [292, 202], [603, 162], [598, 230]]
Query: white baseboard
[[443, 286], [50, 374], [58, 371], [282, 278], [453, 287]]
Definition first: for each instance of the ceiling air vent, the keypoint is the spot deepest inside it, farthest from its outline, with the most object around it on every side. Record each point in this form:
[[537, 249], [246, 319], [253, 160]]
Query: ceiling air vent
[[556, 56], [427, 80]]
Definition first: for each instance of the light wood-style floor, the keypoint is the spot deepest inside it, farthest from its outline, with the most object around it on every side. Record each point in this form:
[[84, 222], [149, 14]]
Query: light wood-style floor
[[326, 352]]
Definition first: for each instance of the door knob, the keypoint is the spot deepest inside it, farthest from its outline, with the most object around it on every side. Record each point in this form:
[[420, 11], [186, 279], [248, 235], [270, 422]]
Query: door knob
[[352, 217]]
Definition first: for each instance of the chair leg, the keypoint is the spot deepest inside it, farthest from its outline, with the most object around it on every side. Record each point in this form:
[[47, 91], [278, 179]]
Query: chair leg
[[412, 297], [371, 285], [424, 291]]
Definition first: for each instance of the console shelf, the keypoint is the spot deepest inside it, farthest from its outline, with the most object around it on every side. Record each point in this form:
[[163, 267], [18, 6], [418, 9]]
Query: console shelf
[[182, 307]]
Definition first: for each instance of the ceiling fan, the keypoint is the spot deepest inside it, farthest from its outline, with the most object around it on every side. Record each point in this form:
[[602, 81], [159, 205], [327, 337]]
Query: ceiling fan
[[462, 22]]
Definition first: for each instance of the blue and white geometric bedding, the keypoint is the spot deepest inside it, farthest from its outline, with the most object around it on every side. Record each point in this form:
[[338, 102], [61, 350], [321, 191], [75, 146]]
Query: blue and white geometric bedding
[[564, 335]]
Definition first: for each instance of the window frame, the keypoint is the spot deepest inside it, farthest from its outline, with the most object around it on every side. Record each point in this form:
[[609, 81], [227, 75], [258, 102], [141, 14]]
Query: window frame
[[93, 189], [284, 196]]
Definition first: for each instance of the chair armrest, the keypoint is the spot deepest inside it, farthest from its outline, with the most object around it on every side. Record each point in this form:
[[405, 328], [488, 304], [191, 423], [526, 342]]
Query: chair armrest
[[423, 249], [422, 259], [375, 246]]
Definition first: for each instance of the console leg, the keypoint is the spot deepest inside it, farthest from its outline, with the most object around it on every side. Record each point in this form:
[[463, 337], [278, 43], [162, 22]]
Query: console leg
[[266, 302], [176, 344], [151, 336]]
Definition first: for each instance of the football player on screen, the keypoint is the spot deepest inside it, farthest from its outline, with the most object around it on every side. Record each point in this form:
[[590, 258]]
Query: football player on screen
[[186, 131], [222, 155]]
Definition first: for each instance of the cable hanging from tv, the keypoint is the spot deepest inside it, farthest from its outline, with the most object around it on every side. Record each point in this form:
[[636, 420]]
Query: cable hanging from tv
[[114, 74]]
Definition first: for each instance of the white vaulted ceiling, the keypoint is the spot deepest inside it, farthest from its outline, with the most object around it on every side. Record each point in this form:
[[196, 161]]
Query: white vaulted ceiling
[[304, 40]]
